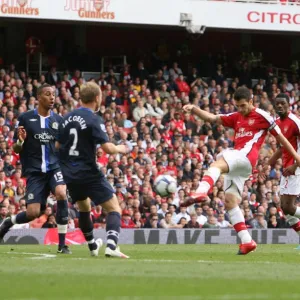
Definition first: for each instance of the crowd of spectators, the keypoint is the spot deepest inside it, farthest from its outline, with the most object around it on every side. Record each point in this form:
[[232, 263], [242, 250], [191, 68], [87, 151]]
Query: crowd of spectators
[[145, 111]]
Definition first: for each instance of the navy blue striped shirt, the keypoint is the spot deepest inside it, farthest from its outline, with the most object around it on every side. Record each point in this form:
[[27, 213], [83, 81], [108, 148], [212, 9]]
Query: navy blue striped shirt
[[38, 153]]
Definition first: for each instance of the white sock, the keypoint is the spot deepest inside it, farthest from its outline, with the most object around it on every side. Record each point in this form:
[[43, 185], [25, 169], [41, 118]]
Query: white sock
[[213, 173], [91, 241], [14, 219], [111, 242], [292, 220], [297, 213], [203, 187], [236, 217], [62, 228]]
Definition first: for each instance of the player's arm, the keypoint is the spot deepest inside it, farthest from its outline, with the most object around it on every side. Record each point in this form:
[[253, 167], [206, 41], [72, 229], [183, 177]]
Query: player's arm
[[202, 114], [20, 137], [111, 148], [275, 157], [289, 148]]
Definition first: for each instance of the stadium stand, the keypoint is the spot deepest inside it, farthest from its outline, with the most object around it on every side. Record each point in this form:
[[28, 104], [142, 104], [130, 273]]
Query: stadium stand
[[144, 110]]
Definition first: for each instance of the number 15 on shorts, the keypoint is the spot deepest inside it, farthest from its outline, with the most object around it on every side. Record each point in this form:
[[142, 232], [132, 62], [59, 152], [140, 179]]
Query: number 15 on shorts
[[58, 177]]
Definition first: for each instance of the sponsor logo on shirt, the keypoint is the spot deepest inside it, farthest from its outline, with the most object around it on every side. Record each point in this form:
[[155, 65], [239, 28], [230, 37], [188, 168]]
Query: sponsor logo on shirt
[[243, 133], [44, 137]]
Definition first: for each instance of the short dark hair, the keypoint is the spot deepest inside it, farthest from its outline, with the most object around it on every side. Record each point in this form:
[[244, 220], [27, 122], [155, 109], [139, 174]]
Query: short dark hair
[[40, 88], [283, 96], [242, 93]]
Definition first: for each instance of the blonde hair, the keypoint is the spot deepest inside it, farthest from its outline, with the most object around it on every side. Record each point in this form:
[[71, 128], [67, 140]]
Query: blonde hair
[[89, 92]]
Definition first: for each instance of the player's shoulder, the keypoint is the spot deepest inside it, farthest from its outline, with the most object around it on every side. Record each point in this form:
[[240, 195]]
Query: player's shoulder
[[260, 113], [56, 117], [98, 118], [27, 115], [294, 118]]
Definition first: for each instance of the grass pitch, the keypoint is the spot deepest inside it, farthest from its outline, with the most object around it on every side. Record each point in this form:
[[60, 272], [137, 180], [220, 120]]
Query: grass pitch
[[210, 272]]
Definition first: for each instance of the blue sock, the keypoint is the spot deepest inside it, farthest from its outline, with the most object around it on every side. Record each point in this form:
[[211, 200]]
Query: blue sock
[[62, 220], [21, 218], [86, 226], [113, 225]]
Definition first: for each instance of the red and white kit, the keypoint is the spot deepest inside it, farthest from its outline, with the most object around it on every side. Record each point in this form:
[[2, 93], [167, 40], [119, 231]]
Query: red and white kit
[[250, 133], [290, 127]]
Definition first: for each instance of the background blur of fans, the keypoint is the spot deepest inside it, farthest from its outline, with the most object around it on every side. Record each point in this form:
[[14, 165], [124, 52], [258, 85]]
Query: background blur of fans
[[146, 76]]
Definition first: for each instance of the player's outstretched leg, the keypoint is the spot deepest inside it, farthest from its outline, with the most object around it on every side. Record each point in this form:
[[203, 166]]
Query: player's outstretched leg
[[291, 211], [238, 221], [32, 212], [113, 226], [206, 184], [62, 218], [87, 228]]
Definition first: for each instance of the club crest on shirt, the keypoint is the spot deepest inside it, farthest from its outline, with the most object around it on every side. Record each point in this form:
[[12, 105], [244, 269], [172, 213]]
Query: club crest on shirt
[[55, 125], [285, 129], [251, 122], [30, 196]]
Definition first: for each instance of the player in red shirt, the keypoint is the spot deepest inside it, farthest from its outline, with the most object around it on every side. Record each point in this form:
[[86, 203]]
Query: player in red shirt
[[290, 179], [251, 126]]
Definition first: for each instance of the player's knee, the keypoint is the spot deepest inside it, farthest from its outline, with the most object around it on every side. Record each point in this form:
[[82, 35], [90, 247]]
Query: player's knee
[[230, 200], [84, 206], [60, 192], [114, 208], [118, 210], [214, 164], [112, 205], [287, 208], [32, 214]]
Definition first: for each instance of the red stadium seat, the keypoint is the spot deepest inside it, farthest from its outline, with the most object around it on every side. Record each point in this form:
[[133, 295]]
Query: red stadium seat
[[127, 130], [124, 108]]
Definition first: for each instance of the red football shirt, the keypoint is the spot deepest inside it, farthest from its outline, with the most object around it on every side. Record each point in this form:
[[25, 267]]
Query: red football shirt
[[290, 127], [250, 131]]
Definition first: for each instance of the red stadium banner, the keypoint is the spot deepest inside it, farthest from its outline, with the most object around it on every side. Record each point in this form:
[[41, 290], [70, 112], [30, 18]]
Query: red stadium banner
[[72, 238]]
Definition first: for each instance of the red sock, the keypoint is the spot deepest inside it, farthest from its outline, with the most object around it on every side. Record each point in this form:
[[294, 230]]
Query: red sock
[[296, 227], [208, 180], [240, 226]]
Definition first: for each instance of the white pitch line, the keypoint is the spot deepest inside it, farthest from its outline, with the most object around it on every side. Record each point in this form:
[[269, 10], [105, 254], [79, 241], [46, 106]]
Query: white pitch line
[[212, 297], [36, 255], [201, 261]]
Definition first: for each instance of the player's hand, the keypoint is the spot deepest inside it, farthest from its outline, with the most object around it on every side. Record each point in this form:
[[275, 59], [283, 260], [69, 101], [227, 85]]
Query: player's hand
[[22, 134], [289, 170], [188, 108], [298, 161], [123, 149]]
